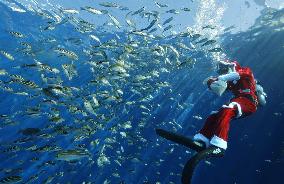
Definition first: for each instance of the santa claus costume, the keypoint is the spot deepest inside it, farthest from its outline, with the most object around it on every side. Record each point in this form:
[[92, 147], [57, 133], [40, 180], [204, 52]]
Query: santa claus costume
[[240, 81]]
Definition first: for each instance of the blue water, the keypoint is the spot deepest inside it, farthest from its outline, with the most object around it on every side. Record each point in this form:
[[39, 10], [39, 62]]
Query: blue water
[[256, 144]]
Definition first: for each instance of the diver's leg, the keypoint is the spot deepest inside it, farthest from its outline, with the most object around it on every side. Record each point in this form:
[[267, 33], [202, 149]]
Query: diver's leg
[[222, 125], [207, 130]]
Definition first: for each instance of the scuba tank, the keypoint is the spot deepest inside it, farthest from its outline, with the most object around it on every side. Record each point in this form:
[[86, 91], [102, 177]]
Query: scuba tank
[[261, 95]]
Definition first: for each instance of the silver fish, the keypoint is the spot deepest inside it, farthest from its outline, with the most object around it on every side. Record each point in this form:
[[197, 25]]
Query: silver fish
[[71, 11], [3, 72], [208, 27], [161, 5], [150, 25], [209, 42], [167, 28], [195, 36], [67, 53], [138, 11], [173, 11], [186, 9], [11, 179], [16, 34], [168, 21], [92, 10], [95, 38], [153, 30], [11, 149], [130, 23], [216, 50], [202, 40], [123, 8], [72, 155], [109, 4], [114, 20], [15, 77], [29, 84], [7, 55], [27, 45], [69, 70]]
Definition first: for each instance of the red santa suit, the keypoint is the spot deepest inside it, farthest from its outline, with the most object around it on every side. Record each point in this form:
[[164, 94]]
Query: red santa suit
[[242, 84]]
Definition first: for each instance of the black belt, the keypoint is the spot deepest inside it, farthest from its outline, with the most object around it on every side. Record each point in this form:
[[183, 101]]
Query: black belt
[[250, 98]]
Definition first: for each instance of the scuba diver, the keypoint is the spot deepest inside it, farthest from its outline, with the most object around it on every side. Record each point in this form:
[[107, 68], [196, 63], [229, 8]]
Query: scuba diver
[[211, 140], [247, 96]]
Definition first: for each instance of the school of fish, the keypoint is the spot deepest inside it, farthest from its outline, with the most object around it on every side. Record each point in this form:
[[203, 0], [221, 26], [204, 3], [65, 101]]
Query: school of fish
[[91, 83]]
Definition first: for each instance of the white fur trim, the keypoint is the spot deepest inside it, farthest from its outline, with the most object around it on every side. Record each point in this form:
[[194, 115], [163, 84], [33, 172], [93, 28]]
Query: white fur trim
[[229, 76], [232, 105], [201, 137], [227, 63], [219, 142]]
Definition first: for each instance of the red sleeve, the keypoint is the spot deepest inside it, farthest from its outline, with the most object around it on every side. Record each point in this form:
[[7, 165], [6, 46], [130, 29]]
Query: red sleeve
[[244, 72]]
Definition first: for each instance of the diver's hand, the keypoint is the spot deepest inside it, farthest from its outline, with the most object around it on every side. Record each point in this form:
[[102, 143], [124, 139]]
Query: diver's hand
[[210, 81]]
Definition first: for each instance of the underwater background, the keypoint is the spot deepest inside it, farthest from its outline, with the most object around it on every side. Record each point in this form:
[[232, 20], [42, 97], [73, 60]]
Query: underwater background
[[85, 84]]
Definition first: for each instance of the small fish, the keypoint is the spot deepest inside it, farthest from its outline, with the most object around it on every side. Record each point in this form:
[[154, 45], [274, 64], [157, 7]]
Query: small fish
[[103, 160], [109, 4], [29, 83], [123, 8], [7, 55], [195, 36], [181, 45], [8, 89], [67, 53], [138, 11], [90, 107], [48, 40], [92, 10], [16, 34], [11, 179], [56, 119], [202, 40], [72, 155], [150, 25], [114, 20], [186, 9], [184, 34], [168, 21], [208, 27], [46, 67], [27, 45], [47, 148], [69, 70], [173, 11], [174, 50], [95, 38], [229, 28], [167, 28], [15, 77], [23, 140], [40, 66], [161, 5], [216, 50], [3, 72], [153, 30], [209, 42], [130, 23], [71, 11], [11, 149]]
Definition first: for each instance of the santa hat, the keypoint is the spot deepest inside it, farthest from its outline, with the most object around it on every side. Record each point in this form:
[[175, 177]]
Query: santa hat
[[234, 65]]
